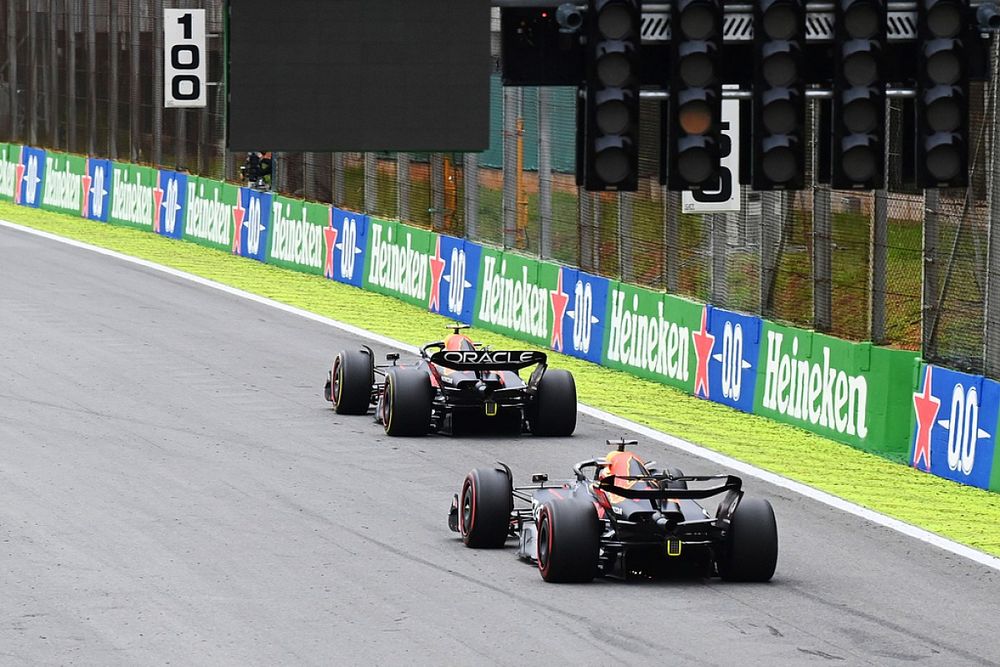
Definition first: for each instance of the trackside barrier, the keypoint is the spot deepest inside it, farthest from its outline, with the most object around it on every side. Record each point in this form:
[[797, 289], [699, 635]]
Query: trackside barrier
[[876, 399]]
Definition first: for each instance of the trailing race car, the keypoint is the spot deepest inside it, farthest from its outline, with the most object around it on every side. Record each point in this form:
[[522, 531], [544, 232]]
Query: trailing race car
[[625, 519], [456, 384]]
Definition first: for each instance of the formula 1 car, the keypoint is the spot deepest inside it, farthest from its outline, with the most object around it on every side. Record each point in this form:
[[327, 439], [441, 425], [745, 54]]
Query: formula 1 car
[[627, 519], [456, 385]]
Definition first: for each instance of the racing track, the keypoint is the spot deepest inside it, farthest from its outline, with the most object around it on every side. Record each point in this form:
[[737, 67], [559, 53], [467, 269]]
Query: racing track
[[173, 489]]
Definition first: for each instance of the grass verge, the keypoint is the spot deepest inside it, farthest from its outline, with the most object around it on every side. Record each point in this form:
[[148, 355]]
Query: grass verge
[[961, 513]]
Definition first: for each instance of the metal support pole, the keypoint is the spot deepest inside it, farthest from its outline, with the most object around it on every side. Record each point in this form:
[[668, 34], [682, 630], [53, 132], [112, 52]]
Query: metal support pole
[[72, 113], [771, 218], [157, 138], [822, 258], [52, 90], [930, 281], [339, 187], [113, 56], [586, 200], [672, 239], [991, 319], [92, 79], [33, 96], [544, 174], [135, 94], [511, 112], [403, 186], [720, 259], [371, 183], [626, 238], [471, 187], [437, 192]]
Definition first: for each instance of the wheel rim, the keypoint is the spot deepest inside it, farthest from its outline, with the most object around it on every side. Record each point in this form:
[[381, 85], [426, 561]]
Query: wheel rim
[[338, 380], [387, 406], [544, 533], [468, 507]]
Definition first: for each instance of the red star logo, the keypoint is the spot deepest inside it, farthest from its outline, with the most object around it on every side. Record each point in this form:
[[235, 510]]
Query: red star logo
[[330, 239], [19, 176], [157, 211], [86, 191], [437, 270], [238, 213], [559, 301], [926, 407], [703, 344]]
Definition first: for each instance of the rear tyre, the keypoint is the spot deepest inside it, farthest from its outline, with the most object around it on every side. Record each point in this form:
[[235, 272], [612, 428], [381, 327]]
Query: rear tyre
[[351, 382], [569, 541], [484, 508], [751, 549], [407, 402], [553, 412], [676, 472]]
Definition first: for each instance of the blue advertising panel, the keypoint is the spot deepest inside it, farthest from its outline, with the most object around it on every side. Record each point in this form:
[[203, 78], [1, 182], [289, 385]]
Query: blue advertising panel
[[31, 177], [349, 240], [583, 325], [170, 198], [454, 278], [955, 425], [252, 224], [97, 189], [727, 347]]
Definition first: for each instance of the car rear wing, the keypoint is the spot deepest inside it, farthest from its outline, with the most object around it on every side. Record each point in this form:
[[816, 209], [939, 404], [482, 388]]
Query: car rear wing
[[487, 360], [609, 484]]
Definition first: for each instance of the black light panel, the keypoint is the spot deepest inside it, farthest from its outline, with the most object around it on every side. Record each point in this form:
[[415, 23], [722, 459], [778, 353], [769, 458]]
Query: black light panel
[[359, 75]]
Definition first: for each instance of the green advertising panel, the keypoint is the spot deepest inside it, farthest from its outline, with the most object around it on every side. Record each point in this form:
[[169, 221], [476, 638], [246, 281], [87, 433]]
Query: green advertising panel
[[850, 392], [296, 240], [10, 155], [209, 219], [398, 261], [650, 334], [132, 200], [511, 300], [63, 188]]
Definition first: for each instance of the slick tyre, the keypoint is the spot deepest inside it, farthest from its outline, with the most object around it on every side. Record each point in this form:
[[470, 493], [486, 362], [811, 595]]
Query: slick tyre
[[351, 382], [751, 549], [569, 541], [407, 401], [484, 508], [553, 412]]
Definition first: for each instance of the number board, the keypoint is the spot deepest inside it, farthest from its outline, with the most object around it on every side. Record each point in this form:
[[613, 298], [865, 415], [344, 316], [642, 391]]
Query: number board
[[184, 58], [725, 197]]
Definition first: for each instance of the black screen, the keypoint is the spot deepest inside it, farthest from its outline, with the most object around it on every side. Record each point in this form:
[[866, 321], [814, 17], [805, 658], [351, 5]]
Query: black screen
[[359, 75]]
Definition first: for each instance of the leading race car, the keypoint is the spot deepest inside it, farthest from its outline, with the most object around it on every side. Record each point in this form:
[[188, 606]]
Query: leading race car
[[620, 516], [456, 385]]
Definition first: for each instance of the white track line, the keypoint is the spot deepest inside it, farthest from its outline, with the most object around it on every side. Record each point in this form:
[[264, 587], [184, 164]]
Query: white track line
[[669, 440]]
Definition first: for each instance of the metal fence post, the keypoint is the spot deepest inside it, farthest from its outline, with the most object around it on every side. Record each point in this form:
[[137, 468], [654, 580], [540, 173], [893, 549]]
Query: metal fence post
[[113, 39], [929, 293], [338, 179], [403, 186], [991, 319], [626, 237], [470, 178], [586, 205], [511, 111], [544, 174], [71, 110], [135, 76], [371, 183], [33, 95], [437, 191], [12, 71], [771, 219], [157, 21], [671, 238], [52, 90], [720, 259]]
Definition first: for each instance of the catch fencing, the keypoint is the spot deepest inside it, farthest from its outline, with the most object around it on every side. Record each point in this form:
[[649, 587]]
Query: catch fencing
[[911, 270]]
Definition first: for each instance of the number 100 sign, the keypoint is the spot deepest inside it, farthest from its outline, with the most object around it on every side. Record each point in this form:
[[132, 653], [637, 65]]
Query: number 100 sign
[[184, 58]]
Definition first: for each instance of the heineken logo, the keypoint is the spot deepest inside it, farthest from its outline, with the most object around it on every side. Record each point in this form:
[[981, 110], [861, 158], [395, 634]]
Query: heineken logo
[[648, 342], [814, 392], [296, 240], [133, 202], [62, 188], [515, 303], [397, 267], [8, 178], [207, 217]]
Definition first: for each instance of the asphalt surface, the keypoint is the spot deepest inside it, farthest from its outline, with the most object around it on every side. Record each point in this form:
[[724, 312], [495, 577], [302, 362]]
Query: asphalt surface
[[175, 490]]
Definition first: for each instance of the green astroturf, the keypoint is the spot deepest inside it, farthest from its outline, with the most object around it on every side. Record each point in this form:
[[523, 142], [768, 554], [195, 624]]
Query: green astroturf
[[962, 513]]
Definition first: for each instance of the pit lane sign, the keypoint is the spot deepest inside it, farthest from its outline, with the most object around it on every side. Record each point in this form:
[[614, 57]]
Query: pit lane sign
[[184, 58], [727, 196]]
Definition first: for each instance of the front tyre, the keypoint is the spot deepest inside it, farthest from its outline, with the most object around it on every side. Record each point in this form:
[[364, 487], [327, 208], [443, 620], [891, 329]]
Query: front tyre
[[553, 412], [406, 402], [751, 549], [569, 541], [484, 508], [351, 382]]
